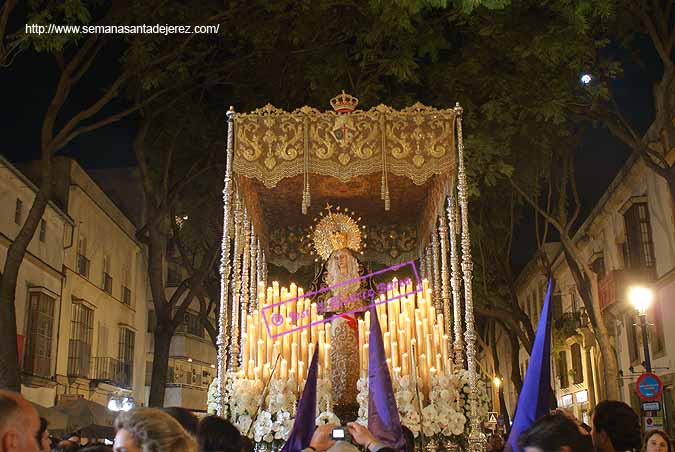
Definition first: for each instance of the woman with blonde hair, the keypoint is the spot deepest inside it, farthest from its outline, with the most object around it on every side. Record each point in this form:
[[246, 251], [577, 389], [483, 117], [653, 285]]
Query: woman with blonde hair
[[150, 430]]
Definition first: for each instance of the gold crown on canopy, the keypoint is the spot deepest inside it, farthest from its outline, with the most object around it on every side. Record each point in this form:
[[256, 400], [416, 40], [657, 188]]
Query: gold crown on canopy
[[335, 231], [344, 103]]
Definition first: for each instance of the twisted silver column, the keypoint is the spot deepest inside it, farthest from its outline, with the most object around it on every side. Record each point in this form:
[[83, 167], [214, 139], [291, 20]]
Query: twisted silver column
[[236, 287], [223, 337], [456, 282]]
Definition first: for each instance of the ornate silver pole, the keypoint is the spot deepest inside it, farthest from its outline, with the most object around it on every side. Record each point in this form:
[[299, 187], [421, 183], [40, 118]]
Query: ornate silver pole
[[253, 286], [223, 337], [245, 271], [423, 265], [435, 265], [445, 283], [477, 440], [427, 262], [259, 269], [264, 268], [236, 286], [455, 280]]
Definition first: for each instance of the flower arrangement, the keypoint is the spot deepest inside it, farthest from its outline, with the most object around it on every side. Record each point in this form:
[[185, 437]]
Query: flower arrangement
[[444, 413]]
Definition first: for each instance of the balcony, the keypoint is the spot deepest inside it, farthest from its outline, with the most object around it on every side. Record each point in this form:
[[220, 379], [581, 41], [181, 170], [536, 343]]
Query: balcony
[[613, 288], [567, 325], [113, 371]]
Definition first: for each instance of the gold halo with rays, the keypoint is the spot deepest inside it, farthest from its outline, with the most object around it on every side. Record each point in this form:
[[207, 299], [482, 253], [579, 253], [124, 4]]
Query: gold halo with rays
[[336, 230]]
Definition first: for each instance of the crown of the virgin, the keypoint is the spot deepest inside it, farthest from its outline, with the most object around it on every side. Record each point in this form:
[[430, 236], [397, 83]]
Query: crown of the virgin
[[335, 231]]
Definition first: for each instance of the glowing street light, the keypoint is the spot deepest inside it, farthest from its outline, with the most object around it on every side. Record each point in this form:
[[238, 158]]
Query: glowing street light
[[641, 298], [586, 79]]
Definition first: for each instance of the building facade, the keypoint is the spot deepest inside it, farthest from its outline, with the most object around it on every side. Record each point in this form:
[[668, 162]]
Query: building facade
[[82, 290], [627, 240]]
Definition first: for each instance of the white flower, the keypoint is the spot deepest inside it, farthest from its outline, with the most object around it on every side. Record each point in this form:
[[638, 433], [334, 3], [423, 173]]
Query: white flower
[[327, 417]]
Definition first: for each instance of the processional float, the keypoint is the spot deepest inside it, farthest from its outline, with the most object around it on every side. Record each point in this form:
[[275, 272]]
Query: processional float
[[272, 156]]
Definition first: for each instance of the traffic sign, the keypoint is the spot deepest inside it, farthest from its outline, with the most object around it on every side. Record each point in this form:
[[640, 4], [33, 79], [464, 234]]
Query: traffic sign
[[649, 386], [492, 417], [651, 406], [653, 423]]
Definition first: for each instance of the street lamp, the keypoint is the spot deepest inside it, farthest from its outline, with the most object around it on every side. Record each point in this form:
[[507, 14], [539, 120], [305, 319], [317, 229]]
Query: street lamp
[[641, 298]]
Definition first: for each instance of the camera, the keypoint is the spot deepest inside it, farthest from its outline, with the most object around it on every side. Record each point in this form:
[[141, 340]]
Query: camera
[[340, 434]]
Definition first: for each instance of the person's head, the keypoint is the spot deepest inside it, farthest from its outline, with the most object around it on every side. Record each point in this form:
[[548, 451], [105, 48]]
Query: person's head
[[554, 432], [150, 430], [616, 427], [495, 442], [185, 417], [657, 441], [217, 434], [19, 424]]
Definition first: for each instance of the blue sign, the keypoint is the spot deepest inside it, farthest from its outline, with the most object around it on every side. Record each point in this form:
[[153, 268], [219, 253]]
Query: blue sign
[[649, 386]]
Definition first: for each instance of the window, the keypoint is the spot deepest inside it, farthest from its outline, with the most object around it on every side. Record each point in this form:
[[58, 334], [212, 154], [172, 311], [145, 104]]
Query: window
[[38, 357], [18, 211], [657, 339], [577, 366], [598, 266], [192, 325], [126, 292], [632, 336], [107, 279], [639, 248], [557, 307], [43, 230], [82, 261], [126, 355], [562, 369], [79, 347]]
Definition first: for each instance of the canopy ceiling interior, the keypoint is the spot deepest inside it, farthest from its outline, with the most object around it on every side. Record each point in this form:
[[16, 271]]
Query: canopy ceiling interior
[[289, 163]]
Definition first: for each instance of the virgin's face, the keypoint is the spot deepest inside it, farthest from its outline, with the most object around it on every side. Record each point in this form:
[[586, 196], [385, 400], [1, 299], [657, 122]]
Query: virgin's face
[[656, 443], [341, 259]]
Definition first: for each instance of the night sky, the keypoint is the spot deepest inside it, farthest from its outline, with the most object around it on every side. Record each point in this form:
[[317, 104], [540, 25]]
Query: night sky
[[28, 84]]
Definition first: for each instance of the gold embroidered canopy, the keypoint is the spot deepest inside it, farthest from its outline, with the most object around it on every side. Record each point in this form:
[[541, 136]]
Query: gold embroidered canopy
[[416, 142]]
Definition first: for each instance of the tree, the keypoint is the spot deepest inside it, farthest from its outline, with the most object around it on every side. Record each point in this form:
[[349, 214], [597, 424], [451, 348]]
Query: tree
[[636, 28], [562, 215], [75, 56]]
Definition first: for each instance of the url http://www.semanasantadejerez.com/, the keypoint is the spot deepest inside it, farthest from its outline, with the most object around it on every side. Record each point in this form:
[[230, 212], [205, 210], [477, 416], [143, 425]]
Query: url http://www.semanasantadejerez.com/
[[164, 29]]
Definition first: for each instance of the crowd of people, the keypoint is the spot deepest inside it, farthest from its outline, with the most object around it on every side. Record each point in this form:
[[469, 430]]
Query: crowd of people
[[615, 428]]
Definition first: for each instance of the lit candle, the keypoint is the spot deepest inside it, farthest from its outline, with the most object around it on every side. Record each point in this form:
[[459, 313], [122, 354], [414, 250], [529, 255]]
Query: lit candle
[[276, 350], [294, 357], [387, 343], [394, 354], [367, 320], [303, 345], [326, 358], [284, 370], [292, 376], [405, 371], [364, 369], [250, 373], [441, 325], [244, 351], [430, 351], [310, 355], [256, 373], [328, 333], [439, 365], [444, 352], [260, 356], [266, 371], [301, 372]]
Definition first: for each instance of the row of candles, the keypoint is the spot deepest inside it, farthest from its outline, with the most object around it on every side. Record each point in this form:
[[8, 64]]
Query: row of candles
[[414, 337]]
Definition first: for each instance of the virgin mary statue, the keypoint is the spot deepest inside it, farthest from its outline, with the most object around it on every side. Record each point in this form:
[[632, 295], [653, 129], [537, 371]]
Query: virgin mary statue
[[336, 238]]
